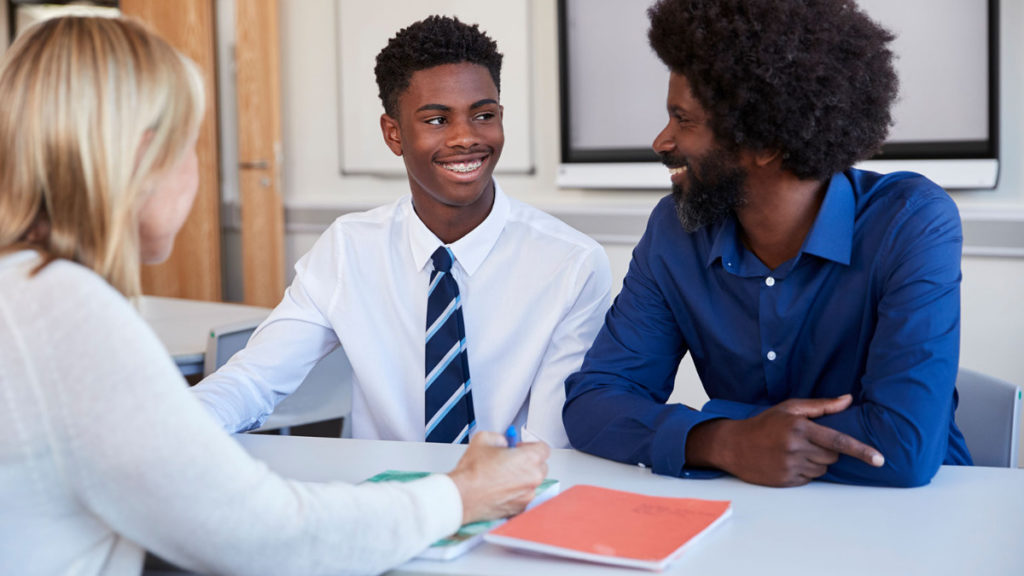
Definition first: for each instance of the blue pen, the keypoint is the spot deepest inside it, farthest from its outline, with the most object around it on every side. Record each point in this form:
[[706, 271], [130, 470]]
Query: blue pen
[[512, 437]]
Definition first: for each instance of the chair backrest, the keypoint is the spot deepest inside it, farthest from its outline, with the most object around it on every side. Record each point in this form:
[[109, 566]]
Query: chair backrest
[[224, 341], [989, 416]]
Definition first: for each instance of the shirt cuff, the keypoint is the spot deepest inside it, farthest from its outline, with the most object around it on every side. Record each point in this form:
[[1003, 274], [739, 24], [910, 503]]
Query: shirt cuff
[[668, 450], [732, 410], [439, 493], [701, 473]]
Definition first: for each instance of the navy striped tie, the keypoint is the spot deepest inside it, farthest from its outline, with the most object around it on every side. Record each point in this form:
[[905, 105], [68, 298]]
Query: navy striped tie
[[449, 400]]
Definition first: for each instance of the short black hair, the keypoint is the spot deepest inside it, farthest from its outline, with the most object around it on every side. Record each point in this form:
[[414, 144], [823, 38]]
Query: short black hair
[[813, 79], [431, 42]]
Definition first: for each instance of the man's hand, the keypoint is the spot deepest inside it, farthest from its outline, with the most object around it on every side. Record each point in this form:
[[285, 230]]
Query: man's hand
[[496, 481], [782, 446]]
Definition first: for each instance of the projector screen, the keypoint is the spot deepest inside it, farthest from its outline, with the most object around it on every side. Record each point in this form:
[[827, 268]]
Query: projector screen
[[613, 90]]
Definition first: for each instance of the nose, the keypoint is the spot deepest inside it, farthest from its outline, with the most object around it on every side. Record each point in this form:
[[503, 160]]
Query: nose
[[461, 133], [663, 141]]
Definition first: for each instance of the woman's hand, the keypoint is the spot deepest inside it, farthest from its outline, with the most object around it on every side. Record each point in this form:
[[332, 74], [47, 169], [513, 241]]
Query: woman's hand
[[496, 481]]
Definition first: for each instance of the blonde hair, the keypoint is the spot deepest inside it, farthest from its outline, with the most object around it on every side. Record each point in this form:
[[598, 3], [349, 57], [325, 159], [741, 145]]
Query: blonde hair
[[92, 110]]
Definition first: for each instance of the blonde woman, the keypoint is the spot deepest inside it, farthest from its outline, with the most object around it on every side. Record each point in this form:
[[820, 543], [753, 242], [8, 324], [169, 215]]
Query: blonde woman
[[103, 452]]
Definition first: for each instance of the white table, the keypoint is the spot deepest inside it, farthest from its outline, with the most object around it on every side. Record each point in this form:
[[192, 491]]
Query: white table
[[967, 521], [184, 325]]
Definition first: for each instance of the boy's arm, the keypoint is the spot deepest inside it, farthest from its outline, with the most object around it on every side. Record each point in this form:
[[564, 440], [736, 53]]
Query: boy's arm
[[281, 352], [569, 342], [283, 349]]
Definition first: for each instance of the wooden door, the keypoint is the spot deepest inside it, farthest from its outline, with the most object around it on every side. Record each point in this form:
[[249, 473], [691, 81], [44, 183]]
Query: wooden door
[[5, 25], [194, 269], [257, 74]]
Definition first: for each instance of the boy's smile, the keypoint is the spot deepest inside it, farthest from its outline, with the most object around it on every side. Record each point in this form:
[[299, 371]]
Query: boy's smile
[[450, 135]]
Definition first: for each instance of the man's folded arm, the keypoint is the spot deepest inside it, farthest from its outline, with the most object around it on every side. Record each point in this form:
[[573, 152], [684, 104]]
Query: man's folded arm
[[615, 405]]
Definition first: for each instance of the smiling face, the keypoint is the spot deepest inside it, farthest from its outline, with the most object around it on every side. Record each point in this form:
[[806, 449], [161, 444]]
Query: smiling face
[[449, 134], [708, 180]]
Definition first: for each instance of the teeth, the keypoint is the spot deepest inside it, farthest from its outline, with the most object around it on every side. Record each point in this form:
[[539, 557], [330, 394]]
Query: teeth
[[679, 170], [463, 167]]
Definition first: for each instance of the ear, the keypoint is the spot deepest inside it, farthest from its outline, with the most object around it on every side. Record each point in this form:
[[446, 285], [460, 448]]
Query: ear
[[766, 157], [392, 133]]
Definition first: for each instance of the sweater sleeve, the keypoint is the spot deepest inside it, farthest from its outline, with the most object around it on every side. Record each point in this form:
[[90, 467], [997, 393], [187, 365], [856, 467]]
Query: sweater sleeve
[[145, 458]]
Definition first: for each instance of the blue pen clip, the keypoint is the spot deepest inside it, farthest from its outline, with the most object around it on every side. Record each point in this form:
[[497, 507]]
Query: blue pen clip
[[512, 437]]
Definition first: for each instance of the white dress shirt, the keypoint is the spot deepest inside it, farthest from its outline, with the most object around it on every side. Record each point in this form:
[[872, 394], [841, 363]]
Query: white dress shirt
[[534, 295], [104, 454]]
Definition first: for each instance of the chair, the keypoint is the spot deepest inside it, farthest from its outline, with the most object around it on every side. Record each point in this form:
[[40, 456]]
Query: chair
[[325, 394], [989, 417]]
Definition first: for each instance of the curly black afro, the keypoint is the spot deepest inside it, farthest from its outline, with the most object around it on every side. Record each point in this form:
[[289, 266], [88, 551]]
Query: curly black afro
[[433, 41], [813, 79]]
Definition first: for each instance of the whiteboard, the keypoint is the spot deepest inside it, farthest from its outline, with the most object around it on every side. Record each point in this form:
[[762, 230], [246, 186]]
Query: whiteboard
[[364, 28], [614, 88], [942, 64]]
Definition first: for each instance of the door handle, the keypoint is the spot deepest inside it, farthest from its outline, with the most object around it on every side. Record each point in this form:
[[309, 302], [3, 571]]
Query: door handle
[[257, 165]]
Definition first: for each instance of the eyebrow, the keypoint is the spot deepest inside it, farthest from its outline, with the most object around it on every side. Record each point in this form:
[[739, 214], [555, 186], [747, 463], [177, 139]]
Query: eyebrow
[[440, 107], [693, 115], [443, 108]]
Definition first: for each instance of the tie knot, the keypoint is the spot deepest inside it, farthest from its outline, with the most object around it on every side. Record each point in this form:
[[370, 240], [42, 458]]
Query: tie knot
[[442, 258]]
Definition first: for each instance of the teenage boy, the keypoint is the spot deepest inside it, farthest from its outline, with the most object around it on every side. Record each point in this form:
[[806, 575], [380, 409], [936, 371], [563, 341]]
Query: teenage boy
[[458, 307], [820, 303]]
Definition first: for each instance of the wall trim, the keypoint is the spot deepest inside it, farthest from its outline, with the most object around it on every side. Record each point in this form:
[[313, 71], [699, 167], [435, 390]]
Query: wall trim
[[988, 232]]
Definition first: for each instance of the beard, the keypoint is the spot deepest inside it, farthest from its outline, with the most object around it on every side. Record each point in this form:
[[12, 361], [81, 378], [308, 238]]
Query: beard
[[715, 189]]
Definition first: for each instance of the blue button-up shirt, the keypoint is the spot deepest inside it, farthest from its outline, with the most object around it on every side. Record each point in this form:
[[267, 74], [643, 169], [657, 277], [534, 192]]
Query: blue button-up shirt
[[869, 306]]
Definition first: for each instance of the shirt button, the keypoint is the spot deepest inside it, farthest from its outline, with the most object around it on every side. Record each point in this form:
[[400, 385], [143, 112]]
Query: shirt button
[[771, 355], [769, 281]]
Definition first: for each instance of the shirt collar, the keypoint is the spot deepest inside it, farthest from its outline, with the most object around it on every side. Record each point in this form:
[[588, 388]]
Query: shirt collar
[[725, 243], [470, 250], [831, 236]]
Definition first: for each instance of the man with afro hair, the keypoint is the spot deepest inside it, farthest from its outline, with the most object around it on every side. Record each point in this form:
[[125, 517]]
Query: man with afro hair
[[820, 303], [523, 293]]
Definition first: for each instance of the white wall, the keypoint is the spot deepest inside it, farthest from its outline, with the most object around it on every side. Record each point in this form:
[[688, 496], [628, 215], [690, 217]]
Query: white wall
[[993, 287], [310, 79]]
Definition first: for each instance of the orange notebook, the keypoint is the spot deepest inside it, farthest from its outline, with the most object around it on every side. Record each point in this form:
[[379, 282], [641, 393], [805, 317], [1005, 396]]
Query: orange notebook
[[612, 527]]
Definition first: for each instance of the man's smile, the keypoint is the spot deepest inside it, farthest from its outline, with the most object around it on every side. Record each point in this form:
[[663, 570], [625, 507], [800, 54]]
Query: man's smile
[[677, 171]]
